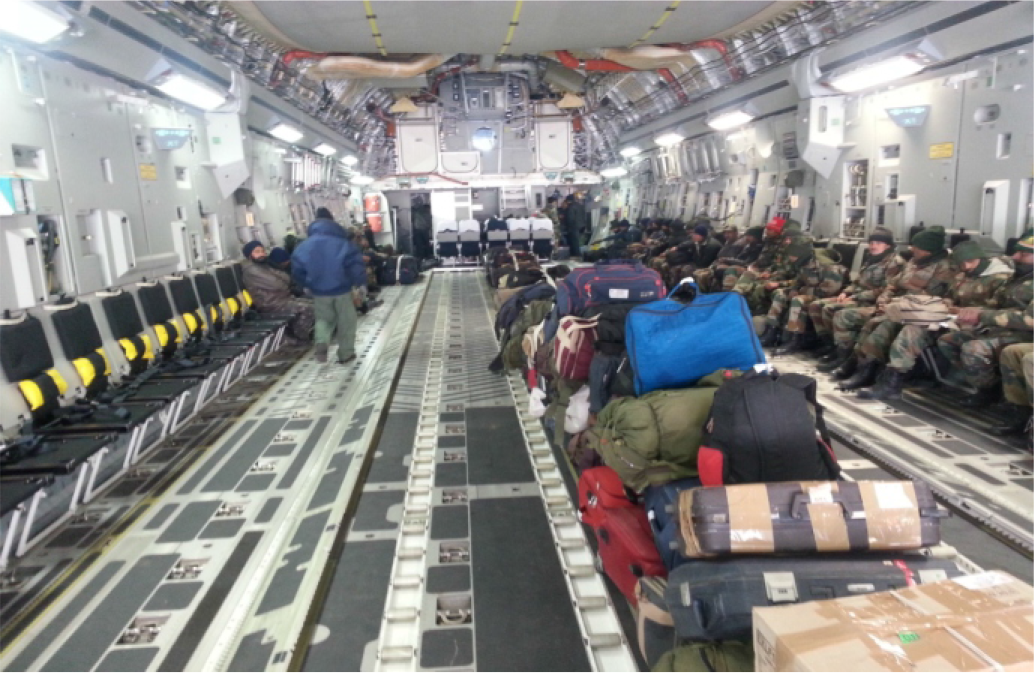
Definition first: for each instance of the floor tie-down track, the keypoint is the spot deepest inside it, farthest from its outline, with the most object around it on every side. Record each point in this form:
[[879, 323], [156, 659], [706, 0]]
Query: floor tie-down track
[[465, 551], [925, 436]]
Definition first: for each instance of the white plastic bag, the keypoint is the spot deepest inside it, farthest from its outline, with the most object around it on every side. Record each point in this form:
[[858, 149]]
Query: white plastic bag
[[537, 405], [577, 418]]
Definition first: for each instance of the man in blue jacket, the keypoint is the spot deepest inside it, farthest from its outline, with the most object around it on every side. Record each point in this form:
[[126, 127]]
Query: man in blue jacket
[[331, 268]]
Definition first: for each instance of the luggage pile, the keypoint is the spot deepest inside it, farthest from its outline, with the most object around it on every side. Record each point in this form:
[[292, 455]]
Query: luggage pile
[[707, 479]]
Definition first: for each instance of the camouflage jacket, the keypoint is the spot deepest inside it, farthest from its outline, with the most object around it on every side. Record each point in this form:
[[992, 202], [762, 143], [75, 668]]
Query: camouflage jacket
[[738, 253], [1012, 307], [933, 276], [874, 276], [819, 278], [979, 290], [769, 254]]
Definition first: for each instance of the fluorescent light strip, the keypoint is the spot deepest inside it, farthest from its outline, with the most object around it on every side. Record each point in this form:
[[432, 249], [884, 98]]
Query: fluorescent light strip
[[614, 172], [324, 149], [361, 180], [349, 160], [31, 22], [875, 74], [668, 139], [729, 120], [288, 134], [630, 152], [192, 92]]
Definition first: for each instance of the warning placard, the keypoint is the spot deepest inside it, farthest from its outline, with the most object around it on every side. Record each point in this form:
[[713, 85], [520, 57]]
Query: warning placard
[[942, 150], [148, 172]]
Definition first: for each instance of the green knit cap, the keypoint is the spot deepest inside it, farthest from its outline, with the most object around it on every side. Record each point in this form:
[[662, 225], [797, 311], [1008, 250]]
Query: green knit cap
[[791, 225], [930, 240], [966, 251], [1026, 242]]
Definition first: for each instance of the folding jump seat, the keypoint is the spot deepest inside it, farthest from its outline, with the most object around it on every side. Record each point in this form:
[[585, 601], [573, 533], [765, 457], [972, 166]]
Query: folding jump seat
[[447, 239], [470, 238], [542, 237], [137, 347], [170, 346], [520, 232], [497, 232], [82, 345], [223, 331], [68, 451], [185, 300]]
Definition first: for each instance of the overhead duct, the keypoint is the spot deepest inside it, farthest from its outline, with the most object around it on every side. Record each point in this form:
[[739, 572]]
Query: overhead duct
[[336, 67], [563, 78]]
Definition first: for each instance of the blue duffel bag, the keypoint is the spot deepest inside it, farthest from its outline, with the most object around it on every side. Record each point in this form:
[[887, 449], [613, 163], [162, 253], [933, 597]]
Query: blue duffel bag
[[661, 503], [672, 344]]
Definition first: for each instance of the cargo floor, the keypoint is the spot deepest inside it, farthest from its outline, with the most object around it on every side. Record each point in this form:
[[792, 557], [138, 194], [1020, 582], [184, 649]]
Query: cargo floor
[[403, 513]]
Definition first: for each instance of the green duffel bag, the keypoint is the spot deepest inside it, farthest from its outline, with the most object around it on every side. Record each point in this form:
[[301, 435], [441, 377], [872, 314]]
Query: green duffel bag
[[655, 438], [513, 349], [730, 655]]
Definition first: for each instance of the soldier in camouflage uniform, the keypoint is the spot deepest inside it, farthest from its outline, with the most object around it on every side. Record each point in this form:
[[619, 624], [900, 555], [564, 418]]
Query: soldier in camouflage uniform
[[272, 292], [820, 278], [739, 253], [699, 252], [979, 281], [770, 247], [929, 272], [880, 264], [757, 288], [672, 256], [1017, 366], [1007, 318]]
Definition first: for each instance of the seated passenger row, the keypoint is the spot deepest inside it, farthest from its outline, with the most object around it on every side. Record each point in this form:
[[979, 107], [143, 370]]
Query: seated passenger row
[[91, 383]]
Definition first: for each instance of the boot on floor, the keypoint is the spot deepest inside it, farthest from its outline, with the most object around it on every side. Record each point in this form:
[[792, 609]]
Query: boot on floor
[[796, 345], [834, 361], [769, 337], [866, 375], [887, 388], [827, 347], [847, 368], [1020, 422], [983, 397]]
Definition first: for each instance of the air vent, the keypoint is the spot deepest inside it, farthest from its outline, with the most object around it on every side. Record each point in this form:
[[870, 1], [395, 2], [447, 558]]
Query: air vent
[[790, 146]]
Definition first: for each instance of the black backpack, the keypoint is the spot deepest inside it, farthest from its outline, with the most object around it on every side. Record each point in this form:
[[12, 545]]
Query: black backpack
[[766, 428], [610, 326]]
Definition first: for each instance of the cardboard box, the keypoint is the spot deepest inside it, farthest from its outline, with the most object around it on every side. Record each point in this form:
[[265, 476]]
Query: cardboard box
[[980, 622]]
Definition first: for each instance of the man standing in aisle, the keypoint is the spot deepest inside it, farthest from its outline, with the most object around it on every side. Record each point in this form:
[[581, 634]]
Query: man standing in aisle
[[575, 222], [331, 268]]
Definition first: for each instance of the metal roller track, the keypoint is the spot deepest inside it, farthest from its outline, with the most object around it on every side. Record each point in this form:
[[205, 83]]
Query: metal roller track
[[975, 479]]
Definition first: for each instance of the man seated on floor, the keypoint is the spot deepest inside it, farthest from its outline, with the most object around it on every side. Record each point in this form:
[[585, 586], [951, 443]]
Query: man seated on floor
[[272, 292], [739, 252]]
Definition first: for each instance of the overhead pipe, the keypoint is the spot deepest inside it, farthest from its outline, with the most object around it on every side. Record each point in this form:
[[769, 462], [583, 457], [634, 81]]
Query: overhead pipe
[[334, 67], [676, 86], [592, 64], [295, 54]]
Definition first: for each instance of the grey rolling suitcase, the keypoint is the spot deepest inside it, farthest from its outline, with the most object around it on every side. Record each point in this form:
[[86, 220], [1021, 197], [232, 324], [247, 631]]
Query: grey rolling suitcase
[[713, 599], [804, 517]]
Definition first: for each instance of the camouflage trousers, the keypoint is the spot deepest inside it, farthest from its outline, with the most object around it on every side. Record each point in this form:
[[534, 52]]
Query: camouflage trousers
[[752, 287], [712, 279], [732, 276], [848, 324], [822, 312], [1017, 366], [676, 274], [876, 338], [975, 354], [797, 318], [909, 344]]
